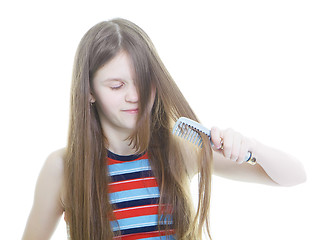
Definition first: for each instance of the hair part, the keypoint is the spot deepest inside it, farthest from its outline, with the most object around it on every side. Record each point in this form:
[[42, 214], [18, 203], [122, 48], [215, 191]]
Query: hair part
[[87, 206]]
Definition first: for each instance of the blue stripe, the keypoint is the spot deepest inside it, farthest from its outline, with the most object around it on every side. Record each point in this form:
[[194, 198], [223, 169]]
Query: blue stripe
[[129, 167], [134, 194], [137, 222], [141, 230], [160, 238], [135, 203], [129, 176]]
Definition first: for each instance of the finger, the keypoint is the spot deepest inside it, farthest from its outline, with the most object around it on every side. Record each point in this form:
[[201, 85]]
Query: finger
[[243, 151], [236, 146], [227, 141], [216, 138]]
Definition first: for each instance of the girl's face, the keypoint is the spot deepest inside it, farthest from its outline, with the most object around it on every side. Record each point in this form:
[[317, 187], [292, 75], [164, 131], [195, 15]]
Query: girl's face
[[116, 96]]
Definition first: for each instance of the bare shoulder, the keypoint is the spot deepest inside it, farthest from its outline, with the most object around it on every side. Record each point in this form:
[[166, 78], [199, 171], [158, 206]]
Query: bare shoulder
[[47, 205], [55, 160], [53, 166], [52, 173]]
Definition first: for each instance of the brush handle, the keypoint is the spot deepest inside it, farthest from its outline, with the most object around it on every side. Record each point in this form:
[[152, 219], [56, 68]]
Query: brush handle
[[250, 159]]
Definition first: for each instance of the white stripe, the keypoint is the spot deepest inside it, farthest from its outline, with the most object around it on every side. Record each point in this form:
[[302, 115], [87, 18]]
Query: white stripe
[[135, 198], [130, 170], [133, 208]]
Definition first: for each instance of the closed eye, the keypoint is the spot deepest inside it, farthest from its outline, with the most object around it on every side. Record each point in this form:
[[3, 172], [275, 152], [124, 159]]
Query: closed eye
[[116, 87]]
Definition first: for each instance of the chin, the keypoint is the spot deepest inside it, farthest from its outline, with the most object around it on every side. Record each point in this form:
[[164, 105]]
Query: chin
[[131, 126]]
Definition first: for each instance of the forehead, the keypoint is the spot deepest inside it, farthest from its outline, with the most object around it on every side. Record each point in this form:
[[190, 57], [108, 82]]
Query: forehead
[[120, 67]]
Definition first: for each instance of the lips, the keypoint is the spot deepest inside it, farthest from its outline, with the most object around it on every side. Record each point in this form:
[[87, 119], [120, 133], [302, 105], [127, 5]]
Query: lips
[[131, 111]]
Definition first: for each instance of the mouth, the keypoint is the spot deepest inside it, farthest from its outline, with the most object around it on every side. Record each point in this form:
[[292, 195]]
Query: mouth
[[131, 111]]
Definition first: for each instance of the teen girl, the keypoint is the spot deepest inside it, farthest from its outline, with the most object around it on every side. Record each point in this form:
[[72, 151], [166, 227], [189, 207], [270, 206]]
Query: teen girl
[[123, 174]]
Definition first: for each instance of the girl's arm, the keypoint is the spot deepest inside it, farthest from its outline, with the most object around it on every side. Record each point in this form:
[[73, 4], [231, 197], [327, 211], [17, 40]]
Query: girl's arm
[[272, 164], [47, 207]]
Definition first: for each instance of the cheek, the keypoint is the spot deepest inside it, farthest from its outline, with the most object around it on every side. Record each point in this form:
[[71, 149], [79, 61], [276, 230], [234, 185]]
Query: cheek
[[108, 103]]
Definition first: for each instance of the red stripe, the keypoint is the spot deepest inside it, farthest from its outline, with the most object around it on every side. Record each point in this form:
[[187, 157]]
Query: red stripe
[[132, 184], [136, 211], [145, 235], [141, 211]]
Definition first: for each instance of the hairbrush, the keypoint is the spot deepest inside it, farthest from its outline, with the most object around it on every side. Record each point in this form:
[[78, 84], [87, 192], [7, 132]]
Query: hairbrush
[[190, 130]]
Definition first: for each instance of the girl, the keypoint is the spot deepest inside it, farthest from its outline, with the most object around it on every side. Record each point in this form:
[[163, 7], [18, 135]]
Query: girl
[[123, 175]]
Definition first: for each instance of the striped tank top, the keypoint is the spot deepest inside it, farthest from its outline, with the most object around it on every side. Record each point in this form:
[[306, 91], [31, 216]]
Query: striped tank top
[[134, 192]]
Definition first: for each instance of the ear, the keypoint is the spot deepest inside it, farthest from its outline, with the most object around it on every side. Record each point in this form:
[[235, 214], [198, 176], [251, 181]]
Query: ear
[[92, 99]]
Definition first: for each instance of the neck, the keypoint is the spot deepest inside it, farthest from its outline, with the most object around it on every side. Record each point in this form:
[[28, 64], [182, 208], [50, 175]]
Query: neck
[[119, 143], [121, 149]]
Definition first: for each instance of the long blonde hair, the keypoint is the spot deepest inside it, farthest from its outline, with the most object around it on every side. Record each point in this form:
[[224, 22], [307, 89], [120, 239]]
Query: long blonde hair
[[87, 206]]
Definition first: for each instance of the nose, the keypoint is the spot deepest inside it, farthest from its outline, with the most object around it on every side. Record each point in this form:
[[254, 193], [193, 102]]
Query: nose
[[132, 94]]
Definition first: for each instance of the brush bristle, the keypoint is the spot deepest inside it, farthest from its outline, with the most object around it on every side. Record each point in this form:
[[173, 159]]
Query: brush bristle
[[188, 133]]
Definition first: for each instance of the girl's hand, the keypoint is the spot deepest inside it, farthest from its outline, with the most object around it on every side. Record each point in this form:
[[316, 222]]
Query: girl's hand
[[235, 146], [280, 167]]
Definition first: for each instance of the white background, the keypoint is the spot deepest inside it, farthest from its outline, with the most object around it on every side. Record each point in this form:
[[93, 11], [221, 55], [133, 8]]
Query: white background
[[259, 67]]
